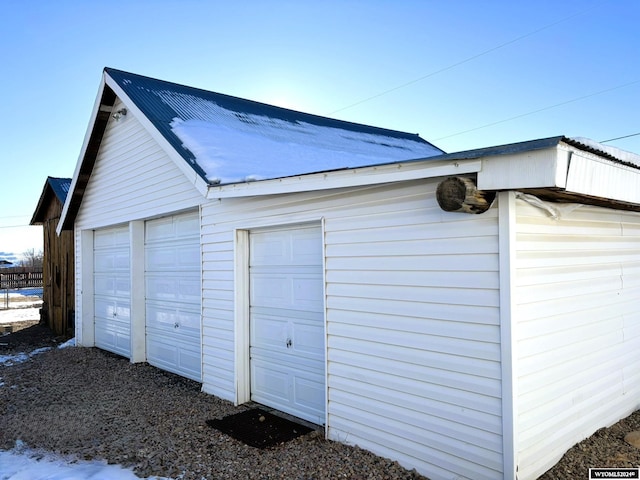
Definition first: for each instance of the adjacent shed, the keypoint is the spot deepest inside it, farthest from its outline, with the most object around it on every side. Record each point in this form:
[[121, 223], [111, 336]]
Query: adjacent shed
[[58, 263], [312, 265]]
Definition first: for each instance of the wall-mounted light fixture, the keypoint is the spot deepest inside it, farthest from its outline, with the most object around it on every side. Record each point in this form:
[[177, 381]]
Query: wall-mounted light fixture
[[119, 114]]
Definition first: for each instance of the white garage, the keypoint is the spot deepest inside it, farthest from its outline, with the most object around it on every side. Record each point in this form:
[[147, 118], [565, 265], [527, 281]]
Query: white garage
[[112, 290], [172, 303], [419, 333], [287, 346]]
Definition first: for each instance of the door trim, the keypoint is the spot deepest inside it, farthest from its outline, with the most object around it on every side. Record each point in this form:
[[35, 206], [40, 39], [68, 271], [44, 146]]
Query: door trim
[[241, 331], [242, 369]]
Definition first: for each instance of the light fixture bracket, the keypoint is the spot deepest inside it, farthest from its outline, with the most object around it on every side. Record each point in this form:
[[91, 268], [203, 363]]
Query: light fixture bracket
[[119, 114]]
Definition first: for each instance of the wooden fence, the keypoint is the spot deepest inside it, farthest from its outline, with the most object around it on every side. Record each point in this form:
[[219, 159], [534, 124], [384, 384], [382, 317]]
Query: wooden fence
[[20, 277]]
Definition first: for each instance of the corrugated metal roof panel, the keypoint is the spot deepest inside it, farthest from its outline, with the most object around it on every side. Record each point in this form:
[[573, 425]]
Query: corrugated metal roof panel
[[60, 187], [617, 155], [53, 187], [228, 139]]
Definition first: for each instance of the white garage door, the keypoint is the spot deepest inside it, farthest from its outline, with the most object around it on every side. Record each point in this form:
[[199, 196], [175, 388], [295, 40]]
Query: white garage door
[[287, 321], [112, 290], [172, 277]]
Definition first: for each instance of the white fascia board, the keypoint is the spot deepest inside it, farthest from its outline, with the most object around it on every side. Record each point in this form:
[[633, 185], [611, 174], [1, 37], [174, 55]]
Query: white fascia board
[[589, 174], [83, 150], [353, 177], [195, 179], [546, 168]]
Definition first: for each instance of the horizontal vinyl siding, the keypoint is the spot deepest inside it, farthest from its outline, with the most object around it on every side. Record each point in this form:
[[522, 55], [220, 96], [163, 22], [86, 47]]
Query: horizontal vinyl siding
[[413, 328], [218, 334], [577, 298], [412, 320], [133, 178]]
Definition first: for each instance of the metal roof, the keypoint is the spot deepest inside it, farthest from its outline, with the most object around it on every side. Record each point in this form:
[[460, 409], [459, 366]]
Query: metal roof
[[539, 144], [163, 103], [53, 188], [60, 187]]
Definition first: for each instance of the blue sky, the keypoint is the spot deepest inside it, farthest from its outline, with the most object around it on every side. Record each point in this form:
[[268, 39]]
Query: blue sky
[[463, 74]]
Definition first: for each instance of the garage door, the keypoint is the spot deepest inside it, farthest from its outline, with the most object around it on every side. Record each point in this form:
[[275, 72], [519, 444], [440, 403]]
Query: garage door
[[172, 277], [287, 321], [112, 290]]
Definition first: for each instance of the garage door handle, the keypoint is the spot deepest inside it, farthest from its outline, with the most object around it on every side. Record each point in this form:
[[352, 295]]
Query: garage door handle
[[289, 343], [176, 325]]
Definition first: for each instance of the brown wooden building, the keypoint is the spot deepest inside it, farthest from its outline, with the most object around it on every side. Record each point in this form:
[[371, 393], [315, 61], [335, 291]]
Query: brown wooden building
[[58, 263]]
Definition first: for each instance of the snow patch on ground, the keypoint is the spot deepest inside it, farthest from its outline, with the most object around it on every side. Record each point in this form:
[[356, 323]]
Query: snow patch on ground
[[68, 343], [23, 463], [8, 360], [19, 315]]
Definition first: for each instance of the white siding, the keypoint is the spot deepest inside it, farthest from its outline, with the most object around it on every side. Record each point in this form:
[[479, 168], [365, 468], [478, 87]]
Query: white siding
[[132, 179], [412, 320], [577, 298]]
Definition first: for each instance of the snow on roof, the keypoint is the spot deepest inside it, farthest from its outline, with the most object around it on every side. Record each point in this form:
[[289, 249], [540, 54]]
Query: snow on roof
[[233, 147], [617, 153], [230, 140]]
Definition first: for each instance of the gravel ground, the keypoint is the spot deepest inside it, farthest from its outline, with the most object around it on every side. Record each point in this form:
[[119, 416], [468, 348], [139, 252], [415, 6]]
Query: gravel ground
[[605, 448], [95, 405]]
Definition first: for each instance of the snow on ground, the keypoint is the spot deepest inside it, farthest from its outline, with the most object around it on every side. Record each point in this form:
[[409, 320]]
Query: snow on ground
[[22, 463], [19, 315], [20, 305], [8, 360]]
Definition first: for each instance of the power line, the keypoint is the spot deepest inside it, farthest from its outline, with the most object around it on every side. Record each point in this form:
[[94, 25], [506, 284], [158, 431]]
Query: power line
[[539, 110], [620, 138], [468, 59]]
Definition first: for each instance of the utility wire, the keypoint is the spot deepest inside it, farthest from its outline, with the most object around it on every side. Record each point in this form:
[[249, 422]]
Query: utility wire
[[620, 138], [541, 110], [461, 62]]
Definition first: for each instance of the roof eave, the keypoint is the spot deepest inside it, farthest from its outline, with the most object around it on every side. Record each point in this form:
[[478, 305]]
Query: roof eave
[[349, 177], [190, 173], [108, 91], [102, 107], [38, 214]]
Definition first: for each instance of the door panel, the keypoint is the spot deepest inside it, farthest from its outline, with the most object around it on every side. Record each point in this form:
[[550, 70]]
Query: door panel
[[173, 294], [112, 290], [287, 347]]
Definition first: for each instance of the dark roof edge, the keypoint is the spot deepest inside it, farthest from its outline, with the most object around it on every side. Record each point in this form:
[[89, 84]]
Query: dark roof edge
[[60, 186], [50, 185], [91, 144], [286, 112], [530, 146], [601, 153], [507, 149]]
